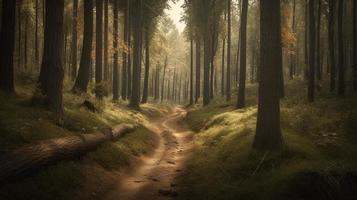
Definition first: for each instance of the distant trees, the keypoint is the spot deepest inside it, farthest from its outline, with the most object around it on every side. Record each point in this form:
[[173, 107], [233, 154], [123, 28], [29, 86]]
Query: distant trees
[[7, 41], [268, 133]]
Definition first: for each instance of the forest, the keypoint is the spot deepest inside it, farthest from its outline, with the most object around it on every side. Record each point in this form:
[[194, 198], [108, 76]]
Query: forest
[[178, 99]]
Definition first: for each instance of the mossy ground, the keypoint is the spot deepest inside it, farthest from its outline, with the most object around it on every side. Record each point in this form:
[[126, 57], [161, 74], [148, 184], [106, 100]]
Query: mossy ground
[[89, 176], [317, 162]]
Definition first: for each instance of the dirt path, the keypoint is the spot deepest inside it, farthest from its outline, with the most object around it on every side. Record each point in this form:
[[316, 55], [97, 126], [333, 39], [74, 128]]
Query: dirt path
[[155, 178]]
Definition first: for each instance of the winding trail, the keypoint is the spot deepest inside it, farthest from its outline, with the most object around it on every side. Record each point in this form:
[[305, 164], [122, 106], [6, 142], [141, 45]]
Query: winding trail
[[155, 178]]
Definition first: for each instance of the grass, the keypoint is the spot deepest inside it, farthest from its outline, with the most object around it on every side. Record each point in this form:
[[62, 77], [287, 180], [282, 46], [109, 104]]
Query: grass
[[94, 173], [319, 148]]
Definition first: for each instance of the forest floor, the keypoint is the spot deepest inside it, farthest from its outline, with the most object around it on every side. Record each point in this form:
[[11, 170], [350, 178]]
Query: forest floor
[[318, 160], [89, 176]]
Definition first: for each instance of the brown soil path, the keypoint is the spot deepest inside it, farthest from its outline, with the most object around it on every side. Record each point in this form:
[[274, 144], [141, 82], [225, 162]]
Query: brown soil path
[[155, 178]]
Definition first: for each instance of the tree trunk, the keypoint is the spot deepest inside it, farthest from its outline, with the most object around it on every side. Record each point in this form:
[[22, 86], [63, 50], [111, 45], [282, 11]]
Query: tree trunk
[[223, 67], [137, 19], [354, 55], [99, 50], [306, 75], [116, 51], [124, 85], [51, 75], [331, 38], [191, 72], [106, 41], [30, 158], [206, 68], [228, 87], [312, 42], [19, 35], [74, 41], [341, 67], [147, 66], [318, 47], [292, 56], [83, 77], [198, 69], [243, 56], [25, 44], [37, 56], [268, 133], [130, 52], [7, 41], [163, 81]]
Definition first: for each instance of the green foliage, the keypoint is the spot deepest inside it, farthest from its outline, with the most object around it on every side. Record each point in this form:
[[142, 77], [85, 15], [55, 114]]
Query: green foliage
[[316, 150]]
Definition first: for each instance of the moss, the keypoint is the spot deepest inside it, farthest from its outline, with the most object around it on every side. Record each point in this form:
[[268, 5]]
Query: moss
[[226, 167]]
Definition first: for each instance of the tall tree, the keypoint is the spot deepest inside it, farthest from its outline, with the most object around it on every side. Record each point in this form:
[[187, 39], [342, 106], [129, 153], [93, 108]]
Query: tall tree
[[341, 67], [83, 77], [198, 69], [106, 40], [137, 22], [37, 56], [354, 45], [7, 40], [116, 53], [331, 38], [292, 56], [312, 45], [268, 133], [191, 71], [147, 65], [74, 40], [163, 81], [52, 72], [229, 41], [243, 55], [318, 43], [99, 49], [124, 73]]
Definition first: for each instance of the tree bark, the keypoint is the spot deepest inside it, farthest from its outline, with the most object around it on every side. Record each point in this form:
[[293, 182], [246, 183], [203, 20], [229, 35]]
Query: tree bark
[[163, 81], [229, 41], [268, 133], [243, 56], [318, 41], [341, 67], [99, 50], [331, 38], [74, 40], [37, 56], [354, 55], [147, 66], [223, 67], [83, 77], [51, 75], [292, 56], [198, 69], [312, 43], [191, 71], [116, 51], [30, 158], [124, 85], [137, 22], [106, 41], [7, 40]]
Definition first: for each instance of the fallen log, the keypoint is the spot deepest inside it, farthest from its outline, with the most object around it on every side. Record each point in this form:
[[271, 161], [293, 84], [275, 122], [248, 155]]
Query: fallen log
[[32, 157]]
